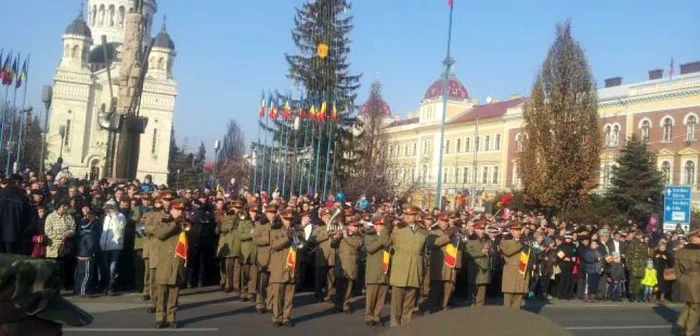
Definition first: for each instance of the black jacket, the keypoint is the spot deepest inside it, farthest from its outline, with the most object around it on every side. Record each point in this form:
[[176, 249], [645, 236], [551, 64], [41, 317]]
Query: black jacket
[[86, 239], [16, 216]]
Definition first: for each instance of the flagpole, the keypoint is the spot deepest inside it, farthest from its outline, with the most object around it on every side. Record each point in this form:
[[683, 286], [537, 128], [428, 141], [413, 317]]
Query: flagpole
[[301, 170], [294, 161], [272, 161], [9, 139], [318, 161], [445, 82], [280, 167], [22, 117], [5, 104], [286, 159], [328, 157], [311, 157], [262, 169]]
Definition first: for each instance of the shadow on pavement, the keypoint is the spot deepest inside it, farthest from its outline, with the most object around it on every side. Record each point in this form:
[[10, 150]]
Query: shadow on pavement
[[246, 310], [666, 313], [205, 303]]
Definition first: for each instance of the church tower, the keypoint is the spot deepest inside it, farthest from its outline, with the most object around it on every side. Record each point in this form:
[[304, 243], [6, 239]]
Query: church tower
[[77, 41], [160, 62], [108, 17]]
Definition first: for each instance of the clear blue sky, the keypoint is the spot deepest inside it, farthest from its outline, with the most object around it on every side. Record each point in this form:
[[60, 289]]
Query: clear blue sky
[[229, 50]]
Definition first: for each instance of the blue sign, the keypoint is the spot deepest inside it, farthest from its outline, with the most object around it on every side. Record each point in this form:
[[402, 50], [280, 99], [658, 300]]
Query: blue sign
[[677, 201]]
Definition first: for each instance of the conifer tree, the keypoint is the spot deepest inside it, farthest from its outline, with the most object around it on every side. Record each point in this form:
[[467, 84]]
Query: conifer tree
[[560, 159]]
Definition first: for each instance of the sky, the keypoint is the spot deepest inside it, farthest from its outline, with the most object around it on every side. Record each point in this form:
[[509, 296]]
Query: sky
[[230, 50]]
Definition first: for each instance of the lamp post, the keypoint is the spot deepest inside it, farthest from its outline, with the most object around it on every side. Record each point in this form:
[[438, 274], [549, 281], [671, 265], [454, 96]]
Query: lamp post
[[448, 62], [217, 146], [46, 95], [22, 126], [62, 133]]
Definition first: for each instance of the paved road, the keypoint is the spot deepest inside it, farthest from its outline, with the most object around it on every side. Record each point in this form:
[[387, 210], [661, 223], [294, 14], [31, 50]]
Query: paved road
[[210, 312]]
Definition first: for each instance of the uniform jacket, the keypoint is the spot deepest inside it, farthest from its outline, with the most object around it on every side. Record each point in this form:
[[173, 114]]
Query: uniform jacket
[[171, 269], [261, 238], [244, 233], [279, 250], [147, 238], [375, 245], [687, 265], [226, 230], [437, 242], [513, 282], [408, 264], [636, 256], [478, 263], [155, 221], [347, 255], [135, 215], [325, 255]]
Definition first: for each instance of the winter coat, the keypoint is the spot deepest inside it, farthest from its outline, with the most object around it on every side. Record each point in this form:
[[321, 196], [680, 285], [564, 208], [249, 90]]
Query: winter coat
[[347, 255], [244, 233], [375, 246], [261, 238], [478, 264], [591, 260], [437, 242], [408, 263], [636, 256], [171, 268], [16, 214], [226, 230], [513, 282], [687, 266], [325, 255], [112, 235], [86, 239], [58, 229], [650, 278], [616, 271], [279, 251]]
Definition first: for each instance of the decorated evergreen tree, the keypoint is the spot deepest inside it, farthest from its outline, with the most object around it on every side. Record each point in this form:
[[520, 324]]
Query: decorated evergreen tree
[[561, 156], [317, 144], [636, 184]]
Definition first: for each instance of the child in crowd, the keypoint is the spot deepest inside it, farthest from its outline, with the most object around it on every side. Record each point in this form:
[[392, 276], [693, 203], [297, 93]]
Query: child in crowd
[[649, 281], [616, 276]]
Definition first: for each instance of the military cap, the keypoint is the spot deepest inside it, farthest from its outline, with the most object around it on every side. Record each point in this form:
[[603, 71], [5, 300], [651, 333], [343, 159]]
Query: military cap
[[443, 217], [168, 195], [237, 204], [287, 214], [479, 226], [352, 221], [179, 204], [515, 225], [379, 220], [452, 215], [31, 288], [271, 208], [411, 210], [428, 216], [324, 211]]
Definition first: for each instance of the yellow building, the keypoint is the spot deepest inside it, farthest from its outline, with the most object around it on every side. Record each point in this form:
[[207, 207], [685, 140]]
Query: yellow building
[[483, 141]]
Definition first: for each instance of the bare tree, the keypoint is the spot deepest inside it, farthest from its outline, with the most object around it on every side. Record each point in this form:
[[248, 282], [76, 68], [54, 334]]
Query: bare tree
[[231, 162]]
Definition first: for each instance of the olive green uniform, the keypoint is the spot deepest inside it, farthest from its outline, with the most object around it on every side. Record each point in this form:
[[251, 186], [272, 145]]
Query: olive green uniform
[[171, 269], [324, 263], [375, 279], [247, 258], [152, 222], [226, 251], [282, 277], [346, 269], [261, 238], [407, 269], [478, 270], [687, 266]]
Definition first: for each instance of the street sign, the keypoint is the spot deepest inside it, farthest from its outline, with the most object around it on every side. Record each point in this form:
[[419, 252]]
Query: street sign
[[677, 205]]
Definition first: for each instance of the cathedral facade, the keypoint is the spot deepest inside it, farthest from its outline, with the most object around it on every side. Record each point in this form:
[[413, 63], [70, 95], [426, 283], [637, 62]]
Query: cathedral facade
[[83, 90]]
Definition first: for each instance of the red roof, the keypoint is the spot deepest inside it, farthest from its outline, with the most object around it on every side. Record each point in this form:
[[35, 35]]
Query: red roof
[[208, 165], [492, 110], [455, 89], [404, 122]]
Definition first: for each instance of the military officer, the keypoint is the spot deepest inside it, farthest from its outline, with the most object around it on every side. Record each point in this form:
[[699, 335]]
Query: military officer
[[155, 221], [238, 214], [348, 243], [514, 284], [408, 242], [687, 267], [636, 256], [145, 242], [261, 238], [478, 252], [226, 250], [248, 269], [171, 267], [376, 243], [442, 271], [428, 221], [325, 257], [283, 267]]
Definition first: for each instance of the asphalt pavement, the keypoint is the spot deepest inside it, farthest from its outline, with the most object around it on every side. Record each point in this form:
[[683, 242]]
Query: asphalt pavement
[[207, 311]]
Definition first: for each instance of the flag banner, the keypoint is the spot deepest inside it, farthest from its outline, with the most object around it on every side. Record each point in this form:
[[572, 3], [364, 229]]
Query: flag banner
[[524, 260], [334, 113], [312, 110], [181, 248], [262, 106], [302, 108], [324, 109], [451, 3], [22, 75], [292, 259], [386, 261], [7, 70], [450, 256], [287, 110]]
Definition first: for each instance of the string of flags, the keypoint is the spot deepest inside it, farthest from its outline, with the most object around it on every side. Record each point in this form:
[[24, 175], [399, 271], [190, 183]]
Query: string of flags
[[314, 108], [10, 71]]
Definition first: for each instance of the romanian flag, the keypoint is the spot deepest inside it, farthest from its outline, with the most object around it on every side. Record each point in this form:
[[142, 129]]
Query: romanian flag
[[312, 110], [7, 71], [10, 75], [386, 261], [524, 260], [324, 109], [302, 108], [273, 108], [181, 248], [292, 258], [22, 75], [450, 255], [451, 3], [287, 110], [262, 105], [334, 112]]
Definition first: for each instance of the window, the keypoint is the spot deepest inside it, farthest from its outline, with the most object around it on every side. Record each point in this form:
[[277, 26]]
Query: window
[[519, 142], [154, 142], [465, 178], [616, 135], [668, 125], [391, 151], [413, 174], [405, 150], [415, 149], [459, 146], [497, 142], [66, 138], [466, 144], [608, 135], [646, 125], [666, 170], [476, 144], [425, 173], [485, 175], [691, 126], [495, 175], [447, 147], [456, 175], [690, 173], [487, 143], [445, 175]]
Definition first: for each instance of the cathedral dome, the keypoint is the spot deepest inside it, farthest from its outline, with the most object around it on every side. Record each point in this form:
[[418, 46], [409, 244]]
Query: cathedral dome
[[79, 27], [163, 40], [455, 89], [375, 102]]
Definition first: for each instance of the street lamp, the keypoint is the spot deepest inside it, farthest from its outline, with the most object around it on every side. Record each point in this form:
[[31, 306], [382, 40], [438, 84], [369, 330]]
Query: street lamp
[[46, 95], [62, 133], [217, 146], [448, 62], [22, 126]]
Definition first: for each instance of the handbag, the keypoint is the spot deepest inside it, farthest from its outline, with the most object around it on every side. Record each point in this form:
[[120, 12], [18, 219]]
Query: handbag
[[670, 274]]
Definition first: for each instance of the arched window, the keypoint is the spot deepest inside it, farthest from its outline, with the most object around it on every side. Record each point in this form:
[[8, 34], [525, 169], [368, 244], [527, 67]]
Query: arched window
[[666, 170], [93, 13], [608, 135], [668, 126], [122, 15], [111, 14], [456, 175], [519, 142], [497, 142], [445, 176], [485, 175], [459, 146], [690, 173], [465, 178], [466, 144], [487, 143], [476, 144], [646, 125], [74, 53], [415, 148], [495, 175], [691, 126], [616, 135], [161, 63], [101, 16]]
